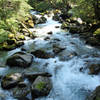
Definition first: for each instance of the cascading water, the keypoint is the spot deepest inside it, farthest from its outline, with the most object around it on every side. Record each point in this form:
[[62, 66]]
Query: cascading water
[[69, 83]]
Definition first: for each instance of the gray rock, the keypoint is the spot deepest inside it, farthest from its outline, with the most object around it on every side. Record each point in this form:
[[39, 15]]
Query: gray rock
[[20, 59], [42, 54], [41, 87], [11, 80]]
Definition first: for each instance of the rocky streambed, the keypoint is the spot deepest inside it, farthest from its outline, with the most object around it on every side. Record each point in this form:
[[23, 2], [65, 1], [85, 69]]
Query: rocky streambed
[[56, 65]]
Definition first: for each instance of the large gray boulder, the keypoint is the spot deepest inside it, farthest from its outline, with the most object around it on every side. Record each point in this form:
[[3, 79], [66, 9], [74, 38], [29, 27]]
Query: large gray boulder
[[20, 59]]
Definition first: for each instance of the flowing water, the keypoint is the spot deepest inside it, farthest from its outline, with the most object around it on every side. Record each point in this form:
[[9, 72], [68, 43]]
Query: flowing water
[[69, 82]]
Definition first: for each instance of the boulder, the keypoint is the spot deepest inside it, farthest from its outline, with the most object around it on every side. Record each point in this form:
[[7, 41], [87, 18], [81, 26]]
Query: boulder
[[94, 69], [41, 87], [93, 41], [95, 95], [20, 59], [42, 54], [11, 80], [11, 41], [47, 38], [21, 91]]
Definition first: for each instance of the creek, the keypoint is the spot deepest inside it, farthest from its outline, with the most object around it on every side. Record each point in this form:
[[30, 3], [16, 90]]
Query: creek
[[70, 77]]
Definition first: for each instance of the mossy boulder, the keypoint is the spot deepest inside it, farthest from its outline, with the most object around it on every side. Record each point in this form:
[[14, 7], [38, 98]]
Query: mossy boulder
[[20, 37], [11, 80], [30, 24], [64, 25], [97, 33], [41, 87], [11, 36], [20, 59], [11, 41], [6, 46]]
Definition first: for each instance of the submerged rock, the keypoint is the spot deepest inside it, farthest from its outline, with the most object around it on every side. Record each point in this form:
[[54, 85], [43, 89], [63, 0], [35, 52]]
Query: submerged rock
[[42, 54], [20, 59], [11, 80], [41, 87]]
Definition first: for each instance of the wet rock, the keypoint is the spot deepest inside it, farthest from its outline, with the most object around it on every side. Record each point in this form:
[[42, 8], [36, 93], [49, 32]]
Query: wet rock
[[47, 38], [57, 49], [41, 87], [42, 54], [41, 20], [57, 26], [64, 25], [19, 43], [21, 91], [20, 59], [50, 33], [33, 75], [66, 57], [56, 17], [20, 37], [93, 41], [94, 69], [7, 47], [74, 29], [11, 80], [11, 41], [95, 95]]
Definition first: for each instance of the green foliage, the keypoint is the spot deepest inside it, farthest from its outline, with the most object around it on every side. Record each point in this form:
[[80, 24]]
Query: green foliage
[[3, 35], [11, 11], [86, 10]]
